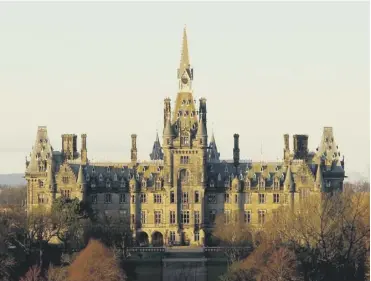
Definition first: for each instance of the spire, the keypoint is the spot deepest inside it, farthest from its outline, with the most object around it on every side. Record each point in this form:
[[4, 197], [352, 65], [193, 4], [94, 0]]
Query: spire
[[213, 154], [157, 153], [184, 60], [168, 131], [288, 184], [201, 132], [80, 177]]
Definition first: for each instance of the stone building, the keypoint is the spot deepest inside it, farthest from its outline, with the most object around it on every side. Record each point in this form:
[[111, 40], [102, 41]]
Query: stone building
[[178, 193]]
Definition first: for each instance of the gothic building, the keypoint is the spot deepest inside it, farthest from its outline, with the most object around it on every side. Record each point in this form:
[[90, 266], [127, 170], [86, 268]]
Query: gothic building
[[178, 193]]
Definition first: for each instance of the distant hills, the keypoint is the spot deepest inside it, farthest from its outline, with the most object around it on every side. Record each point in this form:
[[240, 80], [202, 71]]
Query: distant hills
[[17, 179], [12, 179]]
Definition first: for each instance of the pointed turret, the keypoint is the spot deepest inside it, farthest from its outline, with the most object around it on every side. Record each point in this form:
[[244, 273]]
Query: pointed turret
[[213, 155], [289, 184], [185, 72], [184, 60], [319, 179], [42, 152], [202, 133], [157, 153], [80, 178]]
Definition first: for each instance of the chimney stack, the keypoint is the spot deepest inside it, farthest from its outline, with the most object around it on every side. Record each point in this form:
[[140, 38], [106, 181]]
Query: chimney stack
[[236, 151], [134, 151]]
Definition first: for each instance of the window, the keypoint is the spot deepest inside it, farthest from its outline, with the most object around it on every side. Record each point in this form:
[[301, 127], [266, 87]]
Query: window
[[211, 198], [261, 198], [93, 185], [185, 197], [226, 198], [276, 184], [108, 184], [100, 177], [144, 183], [219, 177], [197, 217], [261, 216], [304, 193], [276, 198], [262, 183], [184, 159], [227, 216], [122, 198], [41, 198], [143, 198], [157, 217], [226, 183], [158, 184], [235, 198], [212, 216], [115, 177], [286, 199], [197, 197], [185, 217], [172, 197], [248, 183], [143, 217], [133, 199], [247, 198], [94, 199], [172, 236], [108, 198], [65, 180], [172, 217], [41, 184], [212, 183], [157, 198], [122, 183], [247, 217], [132, 218], [197, 236], [66, 193]]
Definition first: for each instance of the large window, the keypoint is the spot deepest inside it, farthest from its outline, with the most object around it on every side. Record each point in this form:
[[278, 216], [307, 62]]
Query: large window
[[143, 217], [157, 217], [172, 236], [108, 198], [197, 197], [197, 217], [248, 198], [276, 198], [185, 197], [247, 217], [185, 217], [157, 198], [226, 198], [172, 197], [41, 198], [172, 217], [227, 216], [184, 159], [143, 198], [262, 198], [261, 216], [66, 193], [212, 216], [122, 198], [197, 236]]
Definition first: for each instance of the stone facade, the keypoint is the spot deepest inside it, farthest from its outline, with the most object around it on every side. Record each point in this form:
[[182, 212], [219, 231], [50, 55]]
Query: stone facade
[[177, 194]]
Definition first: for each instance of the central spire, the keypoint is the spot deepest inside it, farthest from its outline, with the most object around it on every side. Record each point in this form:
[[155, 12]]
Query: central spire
[[184, 60], [185, 72]]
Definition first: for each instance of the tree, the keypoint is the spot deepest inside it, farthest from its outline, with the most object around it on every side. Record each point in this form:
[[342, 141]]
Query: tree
[[234, 234], [33, 274], [95, 263]]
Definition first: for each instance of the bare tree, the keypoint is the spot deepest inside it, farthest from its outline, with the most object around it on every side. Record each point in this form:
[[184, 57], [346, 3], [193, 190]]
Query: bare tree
[[234, 235]]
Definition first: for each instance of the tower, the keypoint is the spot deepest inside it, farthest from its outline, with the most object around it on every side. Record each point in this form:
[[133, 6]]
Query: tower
[[213, 155], [69, 146]]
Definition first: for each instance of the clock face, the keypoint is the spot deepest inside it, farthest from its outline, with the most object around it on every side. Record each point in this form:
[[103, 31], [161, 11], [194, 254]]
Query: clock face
[[184, 80]]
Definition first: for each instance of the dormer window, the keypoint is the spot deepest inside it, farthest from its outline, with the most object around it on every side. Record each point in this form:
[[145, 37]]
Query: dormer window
[[108, 170], [226, 169], [254, 176], [123, 170], [219, 177], [211, 168], [87, 177], [122, 183], [137, 176], [93, 170], [212, 183], [241, 176], [150, 176], [108, 184], [93, 185], [232, 176], [100, 177], [328, 183], [115, 177]]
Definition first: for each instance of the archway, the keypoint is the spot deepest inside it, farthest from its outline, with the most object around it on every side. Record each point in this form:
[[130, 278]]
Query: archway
[[143, 239], [157, 239]]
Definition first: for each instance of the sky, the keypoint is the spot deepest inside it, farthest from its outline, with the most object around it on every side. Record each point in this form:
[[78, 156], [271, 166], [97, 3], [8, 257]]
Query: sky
[[265, 68]]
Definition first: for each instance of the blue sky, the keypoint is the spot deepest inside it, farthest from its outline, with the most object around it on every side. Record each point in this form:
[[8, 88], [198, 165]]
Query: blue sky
[[104, 69]]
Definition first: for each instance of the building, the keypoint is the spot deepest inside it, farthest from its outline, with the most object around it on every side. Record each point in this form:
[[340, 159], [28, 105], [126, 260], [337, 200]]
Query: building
[[177, 194]]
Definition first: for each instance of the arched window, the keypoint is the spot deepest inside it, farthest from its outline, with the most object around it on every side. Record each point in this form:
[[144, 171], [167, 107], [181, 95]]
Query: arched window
[[184, 176]]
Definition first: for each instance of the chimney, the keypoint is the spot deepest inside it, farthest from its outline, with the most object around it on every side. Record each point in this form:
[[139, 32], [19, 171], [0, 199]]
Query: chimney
[[300, 147], [286, 149], [134, 148], [236, 151], [84, 151]]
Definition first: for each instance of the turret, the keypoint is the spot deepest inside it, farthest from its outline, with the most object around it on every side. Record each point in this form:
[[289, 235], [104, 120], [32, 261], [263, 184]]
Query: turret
[[134, 152], [69, 146], [202, 134], [289, 184], [318, 186], [84, 151]]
